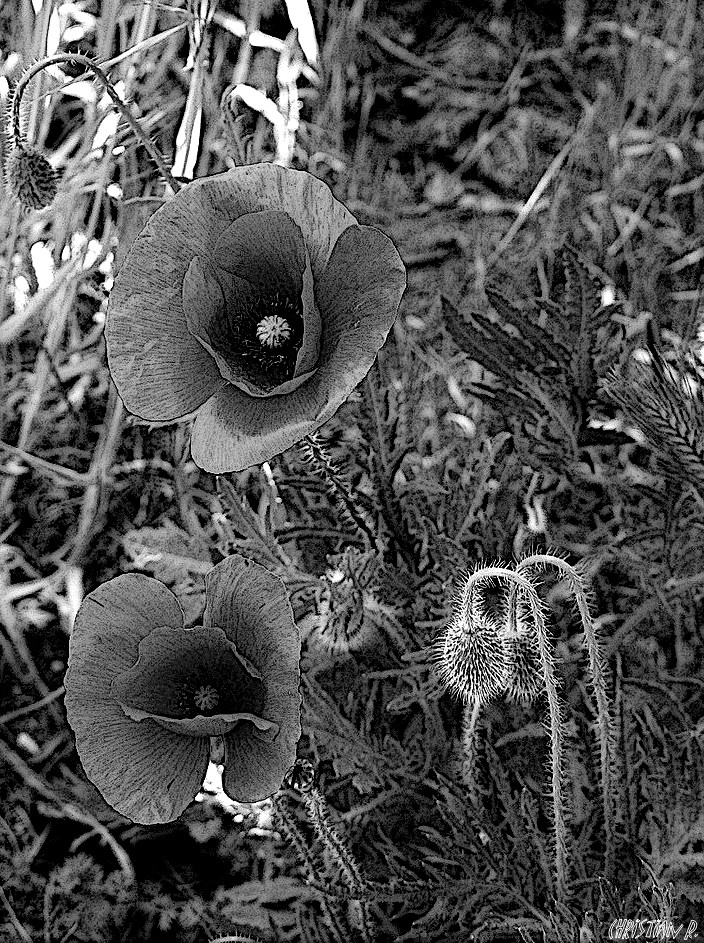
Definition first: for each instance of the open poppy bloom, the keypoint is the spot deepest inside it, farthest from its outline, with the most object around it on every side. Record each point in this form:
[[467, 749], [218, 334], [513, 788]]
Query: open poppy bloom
[[255, 300], [145, 695]]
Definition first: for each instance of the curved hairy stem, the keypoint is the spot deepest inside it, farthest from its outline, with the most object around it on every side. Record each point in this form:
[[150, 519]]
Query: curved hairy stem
[[358, 908], [598, 673], [556, 722], [469, 743], [124, 110]]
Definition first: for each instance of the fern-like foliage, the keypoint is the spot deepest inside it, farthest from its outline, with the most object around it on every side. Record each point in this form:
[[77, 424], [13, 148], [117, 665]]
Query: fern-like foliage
[[545, 356], [665, 401], [391, 394]]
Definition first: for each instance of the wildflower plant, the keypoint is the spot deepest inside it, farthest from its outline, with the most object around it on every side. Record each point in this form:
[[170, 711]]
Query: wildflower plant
[[30, 177], [250, 307], [556, 722], [479, 658], [149, 700]]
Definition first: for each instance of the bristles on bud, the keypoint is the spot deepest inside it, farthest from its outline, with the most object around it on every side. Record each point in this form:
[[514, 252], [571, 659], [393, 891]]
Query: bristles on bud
[[525, 679], [30, 178], [473, 658]]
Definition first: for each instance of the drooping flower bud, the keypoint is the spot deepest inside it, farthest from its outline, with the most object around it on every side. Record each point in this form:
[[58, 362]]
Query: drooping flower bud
[[473, 655], [31, 179], [525, 679]]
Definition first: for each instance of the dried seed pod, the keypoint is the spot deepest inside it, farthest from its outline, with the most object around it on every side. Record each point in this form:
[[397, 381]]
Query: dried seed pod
[[30, 177]]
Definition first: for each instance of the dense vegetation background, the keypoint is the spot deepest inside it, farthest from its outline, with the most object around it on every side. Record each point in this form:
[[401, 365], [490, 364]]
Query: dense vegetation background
[[540, 166]]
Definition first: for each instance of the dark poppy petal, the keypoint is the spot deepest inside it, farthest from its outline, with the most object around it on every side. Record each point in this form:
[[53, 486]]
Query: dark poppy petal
[[215, 725], [216, 322], [267, 249], [109, 625], [143, 771], [233, 431], [252, 606], [310, 349], [358, 297], [255, 765], [257, 187], [161, 371]]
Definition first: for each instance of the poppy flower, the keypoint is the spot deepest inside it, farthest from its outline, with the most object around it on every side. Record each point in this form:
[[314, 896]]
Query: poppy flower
[[144, 695], [255, 301]]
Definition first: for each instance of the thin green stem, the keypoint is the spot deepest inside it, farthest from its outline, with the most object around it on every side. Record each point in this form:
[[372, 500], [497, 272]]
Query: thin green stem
[[469, 743], [598, 673], [91, 66], [317, 810], [597, 670], [506, 575], [299, 843], [556, 745]]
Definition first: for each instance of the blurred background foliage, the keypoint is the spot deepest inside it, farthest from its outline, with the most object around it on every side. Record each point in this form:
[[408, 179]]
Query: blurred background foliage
[[540, 166]]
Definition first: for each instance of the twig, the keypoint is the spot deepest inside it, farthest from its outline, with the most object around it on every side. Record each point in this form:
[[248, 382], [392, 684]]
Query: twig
[[14, 920], [541, 186], [30, 708]]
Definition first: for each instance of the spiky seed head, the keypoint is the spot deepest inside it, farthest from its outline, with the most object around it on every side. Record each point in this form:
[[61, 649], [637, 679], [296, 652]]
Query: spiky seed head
[[473, 657], [30, 177]]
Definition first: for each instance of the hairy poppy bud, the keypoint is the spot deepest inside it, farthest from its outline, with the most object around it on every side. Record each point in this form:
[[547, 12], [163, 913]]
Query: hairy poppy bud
[[30, 177], [525, 678], [473, 655]]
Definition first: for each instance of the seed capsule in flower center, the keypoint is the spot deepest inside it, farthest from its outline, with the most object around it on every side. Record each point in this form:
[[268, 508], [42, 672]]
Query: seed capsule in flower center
[[273, 330], [206, 697]]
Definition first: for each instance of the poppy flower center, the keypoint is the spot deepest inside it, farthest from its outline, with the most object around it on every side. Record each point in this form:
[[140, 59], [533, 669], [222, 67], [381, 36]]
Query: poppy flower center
[[250, 302], [254, 333], [273, 330], [190, 681], [267, 339], [206, 697]]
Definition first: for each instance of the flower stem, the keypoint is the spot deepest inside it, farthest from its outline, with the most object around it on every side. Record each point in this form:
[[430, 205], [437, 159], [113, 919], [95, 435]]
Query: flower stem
[[292, 832], [525, 584], [597, 670], [358, 908], [470, 740], [91, 66]]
